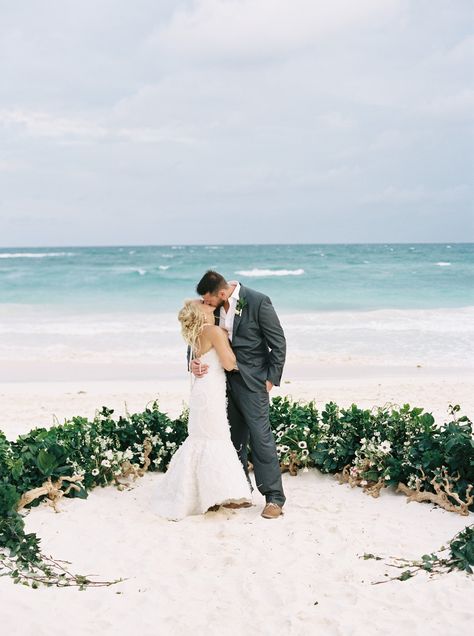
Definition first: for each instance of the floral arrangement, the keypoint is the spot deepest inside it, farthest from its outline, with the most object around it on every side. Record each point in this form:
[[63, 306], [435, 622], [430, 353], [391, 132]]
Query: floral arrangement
[[388, 446], [385, 446]]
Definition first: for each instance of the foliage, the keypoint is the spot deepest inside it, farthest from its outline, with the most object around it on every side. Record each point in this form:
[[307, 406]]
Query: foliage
[[460, 557], [94, 449], [388, 446]]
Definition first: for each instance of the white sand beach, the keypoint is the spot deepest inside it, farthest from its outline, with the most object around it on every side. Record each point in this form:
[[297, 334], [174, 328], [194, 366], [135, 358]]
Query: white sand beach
[[318, 153], [232, 571]]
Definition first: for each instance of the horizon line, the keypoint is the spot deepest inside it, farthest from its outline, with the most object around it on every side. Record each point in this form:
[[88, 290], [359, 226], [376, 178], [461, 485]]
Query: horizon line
[[63, 246]]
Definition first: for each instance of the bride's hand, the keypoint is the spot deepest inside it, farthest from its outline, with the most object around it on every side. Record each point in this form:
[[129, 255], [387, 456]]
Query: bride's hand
[[198, 369]]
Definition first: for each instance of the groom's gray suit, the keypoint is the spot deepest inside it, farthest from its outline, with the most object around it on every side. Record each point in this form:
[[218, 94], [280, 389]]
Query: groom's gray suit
[[259, 345]]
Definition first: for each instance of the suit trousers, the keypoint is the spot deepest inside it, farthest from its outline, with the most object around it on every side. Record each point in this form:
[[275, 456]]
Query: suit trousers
[[248, 413]]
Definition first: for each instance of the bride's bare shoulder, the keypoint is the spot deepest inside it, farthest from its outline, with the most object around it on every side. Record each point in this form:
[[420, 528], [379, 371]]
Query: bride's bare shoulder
[[206, 339], [216, 334]]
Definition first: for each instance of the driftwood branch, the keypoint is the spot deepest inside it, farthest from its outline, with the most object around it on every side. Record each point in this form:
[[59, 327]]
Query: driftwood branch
[[372, 488], [291, 465], [443, 494], [52, 489], [133, 470]]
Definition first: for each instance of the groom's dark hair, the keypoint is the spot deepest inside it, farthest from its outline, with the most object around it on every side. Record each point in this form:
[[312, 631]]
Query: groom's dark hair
[[211, 283]]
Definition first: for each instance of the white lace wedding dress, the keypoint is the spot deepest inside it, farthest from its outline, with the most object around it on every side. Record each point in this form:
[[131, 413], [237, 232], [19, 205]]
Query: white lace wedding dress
[[205, 470]]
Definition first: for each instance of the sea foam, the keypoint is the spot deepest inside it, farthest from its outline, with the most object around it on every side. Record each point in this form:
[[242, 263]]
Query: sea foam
[[269, 272], [34, 254]]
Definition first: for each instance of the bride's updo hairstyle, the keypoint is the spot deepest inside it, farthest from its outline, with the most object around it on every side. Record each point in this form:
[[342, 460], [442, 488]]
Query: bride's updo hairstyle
[[192, 320]]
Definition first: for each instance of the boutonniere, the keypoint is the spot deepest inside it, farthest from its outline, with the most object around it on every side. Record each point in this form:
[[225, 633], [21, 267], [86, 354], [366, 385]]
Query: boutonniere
[[241, 304]]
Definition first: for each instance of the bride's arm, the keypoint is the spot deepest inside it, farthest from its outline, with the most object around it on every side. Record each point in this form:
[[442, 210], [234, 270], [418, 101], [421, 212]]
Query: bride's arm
[[220, 341]]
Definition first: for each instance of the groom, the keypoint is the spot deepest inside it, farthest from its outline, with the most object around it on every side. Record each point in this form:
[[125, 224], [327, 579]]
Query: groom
[[259, 345]]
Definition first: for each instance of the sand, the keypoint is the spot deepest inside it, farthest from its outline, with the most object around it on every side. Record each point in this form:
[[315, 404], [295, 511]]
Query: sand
[[232, 572]]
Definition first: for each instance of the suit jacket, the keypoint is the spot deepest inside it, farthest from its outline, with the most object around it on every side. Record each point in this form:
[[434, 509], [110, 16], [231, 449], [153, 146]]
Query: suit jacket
[[258, 340]]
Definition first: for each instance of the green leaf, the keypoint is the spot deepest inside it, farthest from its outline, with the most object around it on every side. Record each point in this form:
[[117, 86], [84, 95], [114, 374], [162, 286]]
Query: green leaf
[[46, 462]]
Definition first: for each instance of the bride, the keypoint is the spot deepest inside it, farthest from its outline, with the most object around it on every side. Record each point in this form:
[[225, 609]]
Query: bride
[[205, 471]]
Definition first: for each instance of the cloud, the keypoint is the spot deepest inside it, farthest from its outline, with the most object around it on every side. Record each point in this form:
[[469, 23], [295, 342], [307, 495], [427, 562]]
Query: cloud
[[45, 125], [41, 124], [155, 119], [457, 106], [225, 30], [418, 194], [11, 165]]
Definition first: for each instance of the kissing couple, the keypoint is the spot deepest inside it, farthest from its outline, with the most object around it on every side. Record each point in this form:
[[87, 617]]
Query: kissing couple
[[236, 353]]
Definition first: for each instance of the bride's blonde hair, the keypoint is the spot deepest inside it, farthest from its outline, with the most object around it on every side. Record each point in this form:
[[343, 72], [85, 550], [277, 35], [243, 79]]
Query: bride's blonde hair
[[192, 321]]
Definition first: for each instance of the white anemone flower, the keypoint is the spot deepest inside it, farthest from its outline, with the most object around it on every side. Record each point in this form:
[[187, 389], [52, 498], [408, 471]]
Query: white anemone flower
[[302, 444]]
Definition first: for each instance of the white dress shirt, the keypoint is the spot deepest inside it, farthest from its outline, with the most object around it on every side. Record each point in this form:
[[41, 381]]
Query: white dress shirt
[[226, 318]]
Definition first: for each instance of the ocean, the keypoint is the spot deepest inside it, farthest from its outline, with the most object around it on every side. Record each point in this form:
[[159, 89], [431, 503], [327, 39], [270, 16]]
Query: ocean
[[299, 278], [374, 304]]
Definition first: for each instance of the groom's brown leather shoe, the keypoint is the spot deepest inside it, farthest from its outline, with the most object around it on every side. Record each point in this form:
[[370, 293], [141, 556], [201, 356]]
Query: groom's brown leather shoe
[[272, 511], [235, 506]]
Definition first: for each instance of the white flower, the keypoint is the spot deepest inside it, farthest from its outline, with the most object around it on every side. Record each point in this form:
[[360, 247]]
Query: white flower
[[304, 453], [385, 447], [128, 454], [387, 477], [285, 448], [302, 444], [109, 454], [105, 462], [95, 472], [168, 429]]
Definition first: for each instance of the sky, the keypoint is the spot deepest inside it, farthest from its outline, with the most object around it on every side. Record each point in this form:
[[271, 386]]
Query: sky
[[235, 121]]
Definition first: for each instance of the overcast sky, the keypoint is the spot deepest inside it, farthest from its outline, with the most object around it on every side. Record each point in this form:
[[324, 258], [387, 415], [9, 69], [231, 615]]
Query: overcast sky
[[235, 121]]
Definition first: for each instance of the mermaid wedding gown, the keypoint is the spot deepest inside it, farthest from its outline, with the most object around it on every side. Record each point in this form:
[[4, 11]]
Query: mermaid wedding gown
[[205, 470]]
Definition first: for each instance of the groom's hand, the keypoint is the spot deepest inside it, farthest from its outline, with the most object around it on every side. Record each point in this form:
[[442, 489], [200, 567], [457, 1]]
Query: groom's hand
[[269, 386], [198, 369]]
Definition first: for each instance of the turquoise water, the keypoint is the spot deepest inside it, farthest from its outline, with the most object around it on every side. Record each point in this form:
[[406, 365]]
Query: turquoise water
[[299, 278]]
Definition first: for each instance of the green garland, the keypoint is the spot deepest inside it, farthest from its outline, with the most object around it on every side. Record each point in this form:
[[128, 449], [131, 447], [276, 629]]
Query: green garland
[[389, 446], [460, 556]]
